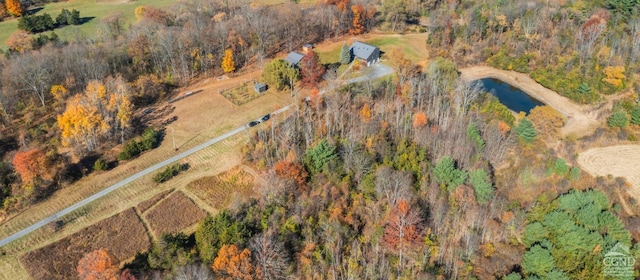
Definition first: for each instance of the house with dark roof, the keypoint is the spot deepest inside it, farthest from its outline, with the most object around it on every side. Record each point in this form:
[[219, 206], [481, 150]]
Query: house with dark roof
[[294, 58], [365, 52]]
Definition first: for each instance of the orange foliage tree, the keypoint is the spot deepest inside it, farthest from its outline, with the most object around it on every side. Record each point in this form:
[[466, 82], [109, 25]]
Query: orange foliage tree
[[3, 11], [19, 41], [358, 24], [232, 263], [228, 64], [30, 164], [14, 8], [292, 170], [403, 230], [365, 113], [99, 264], [419, 120]]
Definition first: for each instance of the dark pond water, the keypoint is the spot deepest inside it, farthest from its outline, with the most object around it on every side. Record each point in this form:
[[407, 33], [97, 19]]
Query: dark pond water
[[514, 98]]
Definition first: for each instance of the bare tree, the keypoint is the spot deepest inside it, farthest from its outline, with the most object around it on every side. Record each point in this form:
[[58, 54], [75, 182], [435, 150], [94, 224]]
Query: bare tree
[[393, 185], [192, 272], [270, 255]]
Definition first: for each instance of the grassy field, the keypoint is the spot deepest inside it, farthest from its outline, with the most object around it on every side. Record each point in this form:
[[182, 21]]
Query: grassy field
[[412, 45], [96, 10], [58, 260], [173, 214], [219, 190]]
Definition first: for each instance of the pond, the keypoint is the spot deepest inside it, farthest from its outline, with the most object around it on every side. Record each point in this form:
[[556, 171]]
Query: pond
[[514, 98]]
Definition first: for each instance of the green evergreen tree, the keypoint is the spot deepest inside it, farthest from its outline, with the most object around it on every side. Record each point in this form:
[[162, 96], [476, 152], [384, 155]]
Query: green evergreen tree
[[483, 190], [635, 116], [618, 119], [319, 155], [446, 173], [345, 54], [214, 232], [474, 134], [525, 131], [538, 261]]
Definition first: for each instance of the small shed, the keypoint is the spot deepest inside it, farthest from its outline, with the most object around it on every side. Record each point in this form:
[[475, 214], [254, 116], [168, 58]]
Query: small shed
[[260, 87], [294, 58], [307, 47], [365, 52]]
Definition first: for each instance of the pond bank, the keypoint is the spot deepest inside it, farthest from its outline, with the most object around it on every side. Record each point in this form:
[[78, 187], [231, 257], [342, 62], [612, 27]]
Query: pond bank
[[579, 122]]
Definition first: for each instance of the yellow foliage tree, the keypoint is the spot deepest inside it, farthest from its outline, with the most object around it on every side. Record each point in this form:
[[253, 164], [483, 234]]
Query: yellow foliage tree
[[232, 263], [614, 75], [14, 8], [90, 117], [228, 64], [139, 12], [80, 124], [547, 121]]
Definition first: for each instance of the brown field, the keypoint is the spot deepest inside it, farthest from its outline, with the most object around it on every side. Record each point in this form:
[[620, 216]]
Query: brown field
[[173, 214], [147, 204], [122, 234], [219, 190], [620, 160], [241, 94]]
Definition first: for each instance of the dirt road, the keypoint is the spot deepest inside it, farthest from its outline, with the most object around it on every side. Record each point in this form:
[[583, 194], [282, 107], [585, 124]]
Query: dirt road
[[581, 119]]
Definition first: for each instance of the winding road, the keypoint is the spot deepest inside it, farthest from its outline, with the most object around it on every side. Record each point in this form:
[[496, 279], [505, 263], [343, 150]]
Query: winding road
[[379, 70]]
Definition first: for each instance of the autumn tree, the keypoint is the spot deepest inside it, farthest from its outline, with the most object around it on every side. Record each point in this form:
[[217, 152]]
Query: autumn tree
[[228, 64], [31, 164], [547, 120], [365, 113], [311, 70], [99, 264], [403, 231], [420, 120], [231, 263], [358, 23], [614, 76], [19, 41], [3, 11], [14, 8], [90, 117], [291, 170]]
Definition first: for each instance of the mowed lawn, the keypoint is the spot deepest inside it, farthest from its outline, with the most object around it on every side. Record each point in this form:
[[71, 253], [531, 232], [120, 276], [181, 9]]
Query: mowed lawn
[[96, 10], [413, 46]]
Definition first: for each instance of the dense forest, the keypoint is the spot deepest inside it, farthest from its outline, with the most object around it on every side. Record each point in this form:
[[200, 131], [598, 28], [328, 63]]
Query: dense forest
[[419, 176]]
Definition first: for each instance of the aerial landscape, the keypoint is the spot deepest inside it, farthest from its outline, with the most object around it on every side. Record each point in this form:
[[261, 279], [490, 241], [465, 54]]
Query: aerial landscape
[[328, 139]]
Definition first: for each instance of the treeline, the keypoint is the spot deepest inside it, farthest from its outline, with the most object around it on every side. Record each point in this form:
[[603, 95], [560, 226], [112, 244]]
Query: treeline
[[580, 50], [83, 94], [44, 22]]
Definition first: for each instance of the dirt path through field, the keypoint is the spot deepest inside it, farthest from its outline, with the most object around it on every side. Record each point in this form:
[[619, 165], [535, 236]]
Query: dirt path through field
[[620, 160], [581, 119]]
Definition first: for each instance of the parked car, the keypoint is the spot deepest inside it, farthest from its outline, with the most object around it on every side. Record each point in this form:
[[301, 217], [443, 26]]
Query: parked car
[[253, 123], [266, 117]]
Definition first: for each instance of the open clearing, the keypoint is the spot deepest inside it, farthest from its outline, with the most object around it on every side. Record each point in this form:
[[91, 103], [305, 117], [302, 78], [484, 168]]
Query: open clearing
[[621, 160], [59, 260], [219, 190], [173, 214], [93, 10], [581, 120], [412, 45]]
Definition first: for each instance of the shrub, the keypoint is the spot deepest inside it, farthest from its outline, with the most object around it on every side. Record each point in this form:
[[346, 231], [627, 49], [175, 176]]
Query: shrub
[[560, 167], [169, 172], [100, 165], [129, 151], [618, 119], [150, 140]]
